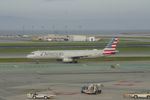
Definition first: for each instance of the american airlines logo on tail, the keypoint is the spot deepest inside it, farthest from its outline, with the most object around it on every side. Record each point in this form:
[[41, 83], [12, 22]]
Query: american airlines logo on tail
[[110, 49]]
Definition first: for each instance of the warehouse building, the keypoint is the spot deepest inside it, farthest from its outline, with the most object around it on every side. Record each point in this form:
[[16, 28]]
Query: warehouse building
[[58, 37]]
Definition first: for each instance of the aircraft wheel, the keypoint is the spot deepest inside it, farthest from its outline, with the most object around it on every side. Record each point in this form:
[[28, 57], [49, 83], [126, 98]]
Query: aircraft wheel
[[148, 97], [45, 97], [135, 96], [34, 97]]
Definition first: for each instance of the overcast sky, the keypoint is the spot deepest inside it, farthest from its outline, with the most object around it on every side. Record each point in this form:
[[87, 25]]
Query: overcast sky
[[75, 14]]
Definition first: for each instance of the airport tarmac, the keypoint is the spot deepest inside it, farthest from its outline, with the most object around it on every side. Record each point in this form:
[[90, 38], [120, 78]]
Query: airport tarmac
[[66, 80]]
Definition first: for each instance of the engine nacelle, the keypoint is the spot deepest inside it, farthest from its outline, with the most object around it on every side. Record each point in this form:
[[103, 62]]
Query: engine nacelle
[[67, 60]]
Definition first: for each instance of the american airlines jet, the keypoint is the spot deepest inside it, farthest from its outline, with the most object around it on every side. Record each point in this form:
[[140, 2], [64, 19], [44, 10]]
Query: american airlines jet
[[71, 56]]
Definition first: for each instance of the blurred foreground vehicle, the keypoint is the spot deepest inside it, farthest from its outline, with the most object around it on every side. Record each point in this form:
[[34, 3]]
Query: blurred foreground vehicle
[[39, 96], [145, 95], [92, 89]]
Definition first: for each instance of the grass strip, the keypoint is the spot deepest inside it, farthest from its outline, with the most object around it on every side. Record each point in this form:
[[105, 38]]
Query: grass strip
[[28, 50], [118, 59]]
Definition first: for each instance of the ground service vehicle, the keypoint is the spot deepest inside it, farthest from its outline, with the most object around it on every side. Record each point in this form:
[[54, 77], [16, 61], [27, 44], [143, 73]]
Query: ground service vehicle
[[138, 95], [39, 96], [92, 89]]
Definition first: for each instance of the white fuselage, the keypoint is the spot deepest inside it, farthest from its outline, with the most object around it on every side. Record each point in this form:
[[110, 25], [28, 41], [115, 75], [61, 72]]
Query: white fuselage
[[60, 54]]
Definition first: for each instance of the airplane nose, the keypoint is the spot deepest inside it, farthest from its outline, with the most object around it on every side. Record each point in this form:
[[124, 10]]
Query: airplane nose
[[29, 56]]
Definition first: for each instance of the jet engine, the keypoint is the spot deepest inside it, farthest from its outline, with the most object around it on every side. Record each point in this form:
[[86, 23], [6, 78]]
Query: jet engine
[[67, 60]]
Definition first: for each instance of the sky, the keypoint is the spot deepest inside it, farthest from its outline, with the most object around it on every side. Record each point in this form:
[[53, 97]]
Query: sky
[[75, 14]]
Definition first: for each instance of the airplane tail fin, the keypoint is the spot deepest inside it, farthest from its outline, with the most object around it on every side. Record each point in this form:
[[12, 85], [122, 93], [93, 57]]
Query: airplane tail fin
[[110, 48]]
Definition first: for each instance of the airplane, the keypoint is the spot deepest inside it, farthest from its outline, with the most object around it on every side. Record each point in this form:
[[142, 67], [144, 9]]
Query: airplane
[[72, 56]]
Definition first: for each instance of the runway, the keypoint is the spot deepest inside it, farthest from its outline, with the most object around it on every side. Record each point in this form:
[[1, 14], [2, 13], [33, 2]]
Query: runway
[[66, 80]]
